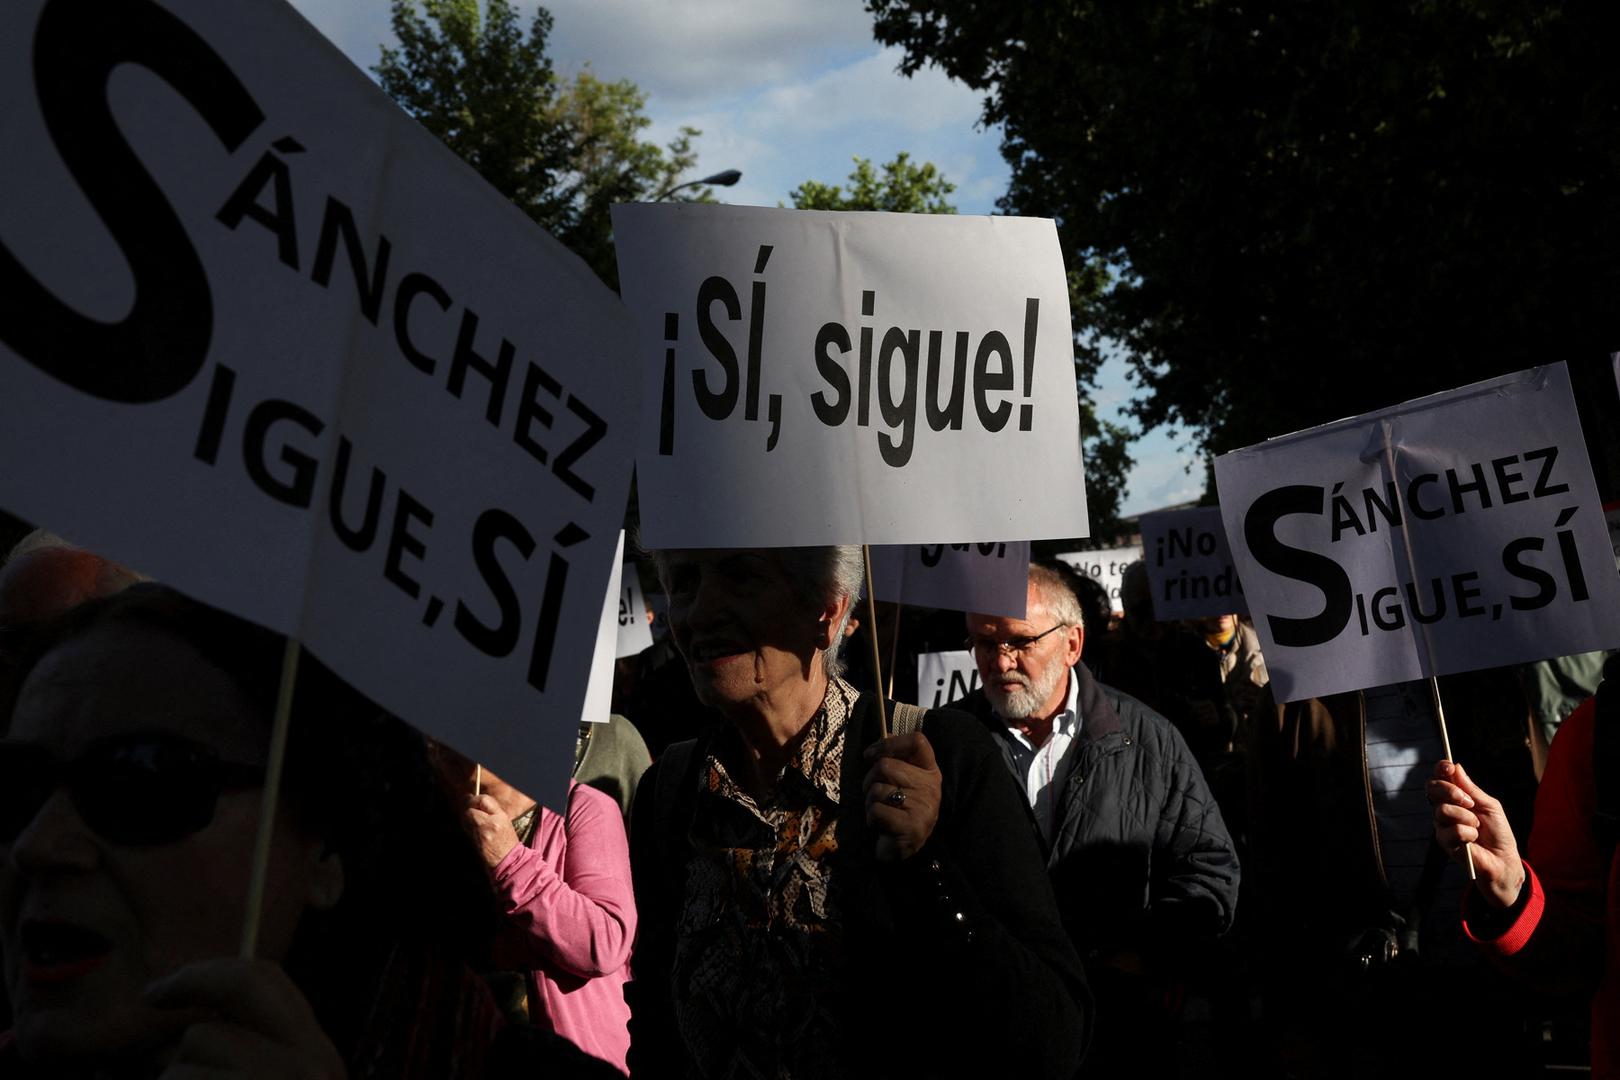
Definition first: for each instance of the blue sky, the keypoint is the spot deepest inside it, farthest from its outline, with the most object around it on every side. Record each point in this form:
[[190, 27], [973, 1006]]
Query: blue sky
[[785, 90]]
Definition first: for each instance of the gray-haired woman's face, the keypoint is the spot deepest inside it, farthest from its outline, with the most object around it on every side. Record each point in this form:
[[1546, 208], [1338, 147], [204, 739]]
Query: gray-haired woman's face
[[744, 630]]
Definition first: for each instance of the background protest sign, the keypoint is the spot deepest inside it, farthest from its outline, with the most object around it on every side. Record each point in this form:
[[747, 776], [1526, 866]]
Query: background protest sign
[[1455, 532], [1611, 517], [599, 690], [1106, 567], [943, 677], [1189, 564], [635, 633], [834, 378], [988, 578], [268, 340]]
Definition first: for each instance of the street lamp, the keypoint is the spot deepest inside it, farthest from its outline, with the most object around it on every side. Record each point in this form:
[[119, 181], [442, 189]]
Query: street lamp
[[719, 179]]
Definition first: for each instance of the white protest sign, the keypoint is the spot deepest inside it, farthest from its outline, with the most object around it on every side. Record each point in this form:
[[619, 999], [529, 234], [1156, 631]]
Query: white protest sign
[[988, 578], [1106, 567], [943, 677], [1455, 532], [599, 690], [1611, 517], [266, 339], [1189, 565], [834, 378], [634, 632]]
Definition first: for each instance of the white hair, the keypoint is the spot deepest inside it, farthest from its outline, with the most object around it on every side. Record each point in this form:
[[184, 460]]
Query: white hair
[[817, 576], [1057, 596]]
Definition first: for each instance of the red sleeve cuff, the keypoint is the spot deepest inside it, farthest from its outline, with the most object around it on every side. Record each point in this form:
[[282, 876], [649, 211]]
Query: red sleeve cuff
[[1504, 935]]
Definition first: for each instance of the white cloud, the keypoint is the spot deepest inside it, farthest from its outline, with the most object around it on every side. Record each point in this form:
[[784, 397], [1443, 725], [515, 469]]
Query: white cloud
[[687, 52]]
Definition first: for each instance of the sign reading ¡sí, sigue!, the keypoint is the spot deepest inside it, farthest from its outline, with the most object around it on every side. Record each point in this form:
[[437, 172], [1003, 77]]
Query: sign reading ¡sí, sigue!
[[818, 378]]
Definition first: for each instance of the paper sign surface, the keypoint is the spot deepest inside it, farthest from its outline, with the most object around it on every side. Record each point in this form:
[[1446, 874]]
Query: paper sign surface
[[635, 633], [599, 691], [989, 578], [839, 378], [944, 677], [268, 340], [1189, 564], [1452, 533], [1106, 567]]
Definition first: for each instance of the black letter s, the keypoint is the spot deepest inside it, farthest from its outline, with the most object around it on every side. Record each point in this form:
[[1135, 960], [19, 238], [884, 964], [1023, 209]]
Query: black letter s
[[161, 345], [498, 640], [1259, 532]]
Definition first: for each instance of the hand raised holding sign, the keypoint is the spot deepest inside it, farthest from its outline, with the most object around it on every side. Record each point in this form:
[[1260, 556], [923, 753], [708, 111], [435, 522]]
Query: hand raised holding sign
[[903, 792], [1465, 816]]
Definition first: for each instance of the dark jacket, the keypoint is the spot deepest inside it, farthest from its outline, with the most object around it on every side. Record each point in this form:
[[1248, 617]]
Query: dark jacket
[[997, 991], [1141, 861], [1320, 866]]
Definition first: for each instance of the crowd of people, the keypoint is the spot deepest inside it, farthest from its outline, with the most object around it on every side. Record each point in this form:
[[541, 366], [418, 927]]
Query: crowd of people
[[1119, 856]]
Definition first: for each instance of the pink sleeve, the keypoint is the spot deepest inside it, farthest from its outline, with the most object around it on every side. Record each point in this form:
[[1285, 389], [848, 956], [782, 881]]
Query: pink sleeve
[[583, 921]]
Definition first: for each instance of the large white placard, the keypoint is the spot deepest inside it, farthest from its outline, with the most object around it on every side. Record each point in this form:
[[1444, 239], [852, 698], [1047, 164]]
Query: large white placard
[[1455, 532], [1106, 567], [635, 633], [992, 579], [268, 340], [944, 677], [833, 378], [1189, 564]]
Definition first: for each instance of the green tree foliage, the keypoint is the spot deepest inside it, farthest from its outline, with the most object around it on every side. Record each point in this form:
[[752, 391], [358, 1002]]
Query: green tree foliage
[[1294, 212], [904, 188], [562, 151]]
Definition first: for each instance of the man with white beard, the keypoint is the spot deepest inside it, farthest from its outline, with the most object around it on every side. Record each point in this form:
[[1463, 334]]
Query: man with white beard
[[1144, 871]]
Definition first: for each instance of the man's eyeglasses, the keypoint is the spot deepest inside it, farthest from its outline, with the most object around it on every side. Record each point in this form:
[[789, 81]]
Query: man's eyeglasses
[[1013, 647], [136, 789]]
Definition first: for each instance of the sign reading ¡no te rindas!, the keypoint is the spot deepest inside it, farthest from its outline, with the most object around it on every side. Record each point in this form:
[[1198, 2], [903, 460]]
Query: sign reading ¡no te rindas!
[[944, 677], [1451, 533], [1107, 568], [831, 378], [1189, 564], [266, 339]]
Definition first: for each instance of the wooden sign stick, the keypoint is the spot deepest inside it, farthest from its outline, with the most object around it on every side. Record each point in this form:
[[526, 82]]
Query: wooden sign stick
[[894, 647], [267, 801], [1445, 748], [877, 659]]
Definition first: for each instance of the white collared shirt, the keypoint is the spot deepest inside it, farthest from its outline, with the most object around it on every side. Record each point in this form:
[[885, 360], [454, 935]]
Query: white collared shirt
[[1047, 767]]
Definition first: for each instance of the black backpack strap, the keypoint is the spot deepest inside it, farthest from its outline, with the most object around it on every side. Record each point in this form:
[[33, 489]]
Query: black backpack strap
[[1606, 756]]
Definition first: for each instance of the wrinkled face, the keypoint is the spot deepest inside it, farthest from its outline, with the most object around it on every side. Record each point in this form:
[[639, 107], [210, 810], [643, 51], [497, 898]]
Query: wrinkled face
[[1034, 680], [87, 923], [745, 633]]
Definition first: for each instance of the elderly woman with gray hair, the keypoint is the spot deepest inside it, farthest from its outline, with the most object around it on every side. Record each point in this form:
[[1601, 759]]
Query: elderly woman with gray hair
[[816, 899]]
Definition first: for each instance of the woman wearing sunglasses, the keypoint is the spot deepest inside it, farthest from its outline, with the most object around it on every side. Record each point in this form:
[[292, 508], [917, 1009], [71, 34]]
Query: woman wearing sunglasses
[[130, 778]]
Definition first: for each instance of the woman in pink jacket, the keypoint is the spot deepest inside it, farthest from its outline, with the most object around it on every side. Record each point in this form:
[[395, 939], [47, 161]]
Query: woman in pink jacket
[[563, 887]]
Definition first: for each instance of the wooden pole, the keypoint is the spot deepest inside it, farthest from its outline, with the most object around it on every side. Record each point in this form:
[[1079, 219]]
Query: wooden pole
[[877, 658], [894, 647], [1434, 686], [478, 780], [267, 801], [1445, 748]]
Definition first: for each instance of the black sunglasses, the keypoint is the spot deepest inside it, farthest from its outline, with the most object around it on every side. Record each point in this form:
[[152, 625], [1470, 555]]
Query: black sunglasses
[[133, 789]]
